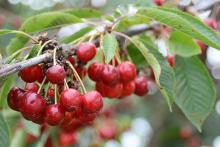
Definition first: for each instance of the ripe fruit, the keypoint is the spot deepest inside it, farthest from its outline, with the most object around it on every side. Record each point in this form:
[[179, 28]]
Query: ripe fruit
[[54, 114], [212, 23], [201, 45], [159, 2], [108, 130], [92, 102], [13, 98], [128, 89], [141, 87], [32, 87], [186, 132], [50, 92], [32, 105], [110, 75], [66, 139], [71, 59], [86, 51], [113, 91], [127, 71], [81, 72], [170, 59], [56, 74], [31, 74], [87, 118], [70, 99], [95, 70]]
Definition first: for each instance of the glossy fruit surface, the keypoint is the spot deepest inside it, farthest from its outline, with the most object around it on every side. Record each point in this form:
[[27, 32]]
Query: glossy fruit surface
[[127, 71], [31, 74], [32, 87], [95, 70], [86, 51], [128, 89], [54, 114], [141, 87], [110, 75], [13, 98], [56, 74]]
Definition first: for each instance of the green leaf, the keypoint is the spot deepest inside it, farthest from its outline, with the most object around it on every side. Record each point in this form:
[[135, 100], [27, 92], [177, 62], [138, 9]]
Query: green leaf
[[34, 51], [131, 21], [5, 89], [136, 56], [110, 45], [31, 127], [18, 139], [183, 45], [195, 92], [4, 135], [76, 35], [183, 22], [84, 12], [38, 23], [167, 80]]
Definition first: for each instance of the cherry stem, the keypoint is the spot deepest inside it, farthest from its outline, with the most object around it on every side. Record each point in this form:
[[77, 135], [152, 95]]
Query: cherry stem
[[41, 85], [40, 50], [54, 56], [77, 77], [55, 93], [66, 85], [47, 87]]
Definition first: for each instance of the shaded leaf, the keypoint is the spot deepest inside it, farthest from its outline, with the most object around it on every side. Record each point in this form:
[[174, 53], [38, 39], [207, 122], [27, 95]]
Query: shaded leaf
[[34, 51], [31, 127], [4, 135], [19, 139], [84, 12]]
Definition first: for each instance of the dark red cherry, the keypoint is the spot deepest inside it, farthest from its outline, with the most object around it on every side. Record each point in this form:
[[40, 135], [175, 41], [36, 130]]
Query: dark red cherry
[[92, 102], [81, 72], [13, 98], [32, 105], [86, 51], [95, 70], [32, 87], [71, 59], [70, 99], [87, 118], [54, 114], [127, 71], [171, 60], [99, 86], [159, 2], [56, 74], [113, 91], [141, 87], [128, 89], [50, 92], [110, 75], [31, 74]]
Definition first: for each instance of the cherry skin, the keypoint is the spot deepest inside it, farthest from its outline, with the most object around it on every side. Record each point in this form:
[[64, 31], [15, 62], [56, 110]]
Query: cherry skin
[[56, 74], [92, 102], [95, 70], [113, 91], [99, 86], [14, 97], [159, 2], [127, 71], [31, 74], [201, 45], [141, 87], [86, 51], [66, 139], [70, 99], [128, 89], [54, 114], [50, 92], [110, 75], [170, 59], [71, 59], [108, 130], [32, 87], [212, 23], [87, 118], [32, 105]]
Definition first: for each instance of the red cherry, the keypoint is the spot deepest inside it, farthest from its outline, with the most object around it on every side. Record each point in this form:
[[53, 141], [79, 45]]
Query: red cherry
[[141, 87], [48, 142], [66, 139], [54, 114], [69, 116], [14, 97], [50, 92], [113, 91], [159, 2], [87, 118], [32, 105], [56, 74], [70, 99], [81, 72], [32, 87], [95, 70], [110, 75], [71, 59], [86, 51], [92, 102], [170, 59], [40, 120], [185, 132], [108, 130], [31, 74], [128, 89], [212, 23], [127, 71], [201, 45], [71, 126]]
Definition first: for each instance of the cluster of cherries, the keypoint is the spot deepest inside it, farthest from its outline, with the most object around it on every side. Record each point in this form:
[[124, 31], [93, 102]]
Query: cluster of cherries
[[49, 98]]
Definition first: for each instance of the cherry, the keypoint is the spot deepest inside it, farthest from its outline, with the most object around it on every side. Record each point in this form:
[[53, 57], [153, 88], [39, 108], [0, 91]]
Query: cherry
[[109, 91], [127, 71], [159, 2], [14, 97], [32, 87], [108, 130], [211, 23], [185, 132], [31, 74], [141, 87], [92, 102], [66, 139], [81, 72], [170, 59], [95, 70], [68, 116], [48, 142], [54, 114], [87, 118], [56, 74], [128, 89], [50, 92], [86, 51], [70, 99], [71, 59], [40, 120], [32, 105], [201, 45], [110, 75]]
